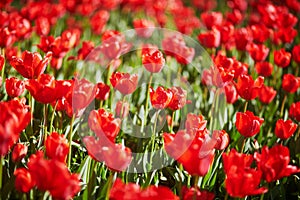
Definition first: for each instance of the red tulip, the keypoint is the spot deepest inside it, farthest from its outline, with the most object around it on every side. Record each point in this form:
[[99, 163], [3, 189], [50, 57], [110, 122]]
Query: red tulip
[[116, 156], [175, 46], [290, 83], [104, 124], [45, 88], [2, 61], [85, 50], [285, 129], [274, 163], [53, 176], [258, 52], [241, 180], [242, 37], [227, 31], [20, 25], [264, 68], [282, 58], [247, 88], [19, 152], [194, 152], [179, 98], [31, 65], [195, 124], [160, 98], [153, 60], [7, 37], [99, 20], [235, 17], [196, 194], [144, 28], [231, 93], [211, 19], [222, 139], [248, 124], [266, 94], [42, 25], [57, 147], [210, 39], [296, 53], [260, 33], [14, 87], [294, 111], [14, 118], [122, 191], [102, 92], [24, 181], [124, 82]]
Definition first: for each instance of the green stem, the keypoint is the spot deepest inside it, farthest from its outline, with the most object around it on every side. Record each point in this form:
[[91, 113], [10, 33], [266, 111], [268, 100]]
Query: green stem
[[171, 126], [147, 101], [153, 136], [52, 117], [70, 141], [245, 106], [3, 69], [226, 196], [213, 110], [1, 170], [196, 187], [90, 185], [243, 144], [45, 121], [282, 105], [109, 185]]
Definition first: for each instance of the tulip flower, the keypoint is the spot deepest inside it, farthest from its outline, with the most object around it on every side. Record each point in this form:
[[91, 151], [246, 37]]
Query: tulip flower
[[282, 58], [274, 163], [178, 99], [248, 124], [31, 65], [210, 39], [294, 111], [14, 87], [192, 193], [57, 147], [211, 19], [266, 94], [296, 53], [285, 129], [102, 92], [24, 181], [160, 98], [241, 180], [247, 88], [258, 52], [290, 83], [19, 152], [124, 82], [144, 28], [153, 60], [264, 69]]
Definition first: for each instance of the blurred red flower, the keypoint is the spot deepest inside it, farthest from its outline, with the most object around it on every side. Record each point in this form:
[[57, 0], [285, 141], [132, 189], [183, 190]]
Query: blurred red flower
[[248, 124], [264, 68], [222, 139], [31, 65], [285, 129], [160, 98], [242, 37], [116, 156], [210, 39], [24, 181], [42, 25], [102, 92], [124, 82], [267, 94], [196, 194], [195, 124], [57, 147], [144, 28], [122, 191], [241, 180], [290, 83], [14, 87], [153, 60], [104, 124], [282, 58], [194, 151], [19, 152], [98, 21], [258, 52], [247, 88], [211, 19], [178, 99], [231, 93], [14, 118], [7, 37], [53, 176], [296, 53], [274, 163], [294, 111]]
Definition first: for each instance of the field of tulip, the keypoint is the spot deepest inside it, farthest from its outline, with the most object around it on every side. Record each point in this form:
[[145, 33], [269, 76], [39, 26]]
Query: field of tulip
[[150, 99]]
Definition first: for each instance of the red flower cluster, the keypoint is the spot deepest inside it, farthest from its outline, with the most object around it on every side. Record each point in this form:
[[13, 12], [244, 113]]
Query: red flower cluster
[[122, 191], [124, 82], [47, 175], [14, 118]]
